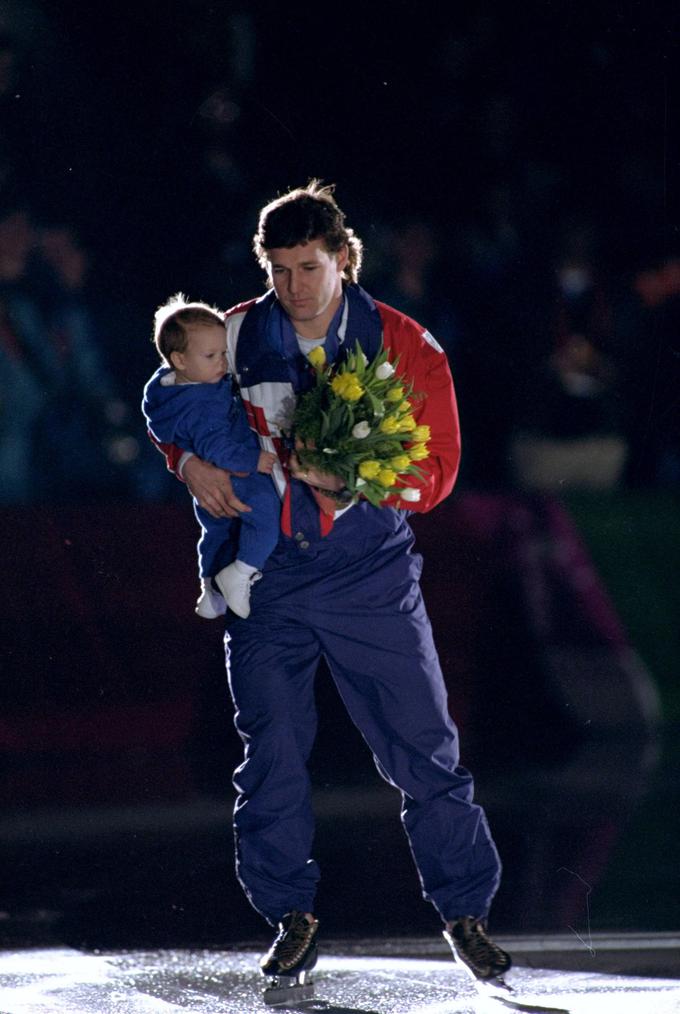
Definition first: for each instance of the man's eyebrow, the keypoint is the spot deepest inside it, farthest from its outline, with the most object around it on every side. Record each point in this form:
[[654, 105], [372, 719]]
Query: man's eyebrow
[[301, 264]]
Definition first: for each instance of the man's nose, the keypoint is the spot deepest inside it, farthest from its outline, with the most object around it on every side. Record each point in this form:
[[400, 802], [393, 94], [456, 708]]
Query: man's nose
[[293, 283]]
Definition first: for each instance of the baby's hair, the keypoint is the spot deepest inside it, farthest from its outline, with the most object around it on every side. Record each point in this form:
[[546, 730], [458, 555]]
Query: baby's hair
[[171, 320]]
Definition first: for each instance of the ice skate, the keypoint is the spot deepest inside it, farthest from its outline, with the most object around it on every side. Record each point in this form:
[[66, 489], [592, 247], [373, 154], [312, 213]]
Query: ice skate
[[210, 604], [235, 587], [476, 952], [291, 956]]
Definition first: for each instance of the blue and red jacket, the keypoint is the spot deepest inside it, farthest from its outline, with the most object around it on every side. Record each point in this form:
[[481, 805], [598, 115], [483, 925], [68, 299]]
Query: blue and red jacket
[[267, 383]]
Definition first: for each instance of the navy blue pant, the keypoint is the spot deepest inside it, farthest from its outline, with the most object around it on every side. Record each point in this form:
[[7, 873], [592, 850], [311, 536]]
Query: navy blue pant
[[354, 599], [251, 537]]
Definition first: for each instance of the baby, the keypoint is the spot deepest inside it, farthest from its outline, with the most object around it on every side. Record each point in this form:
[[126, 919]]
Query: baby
[[190, 402]]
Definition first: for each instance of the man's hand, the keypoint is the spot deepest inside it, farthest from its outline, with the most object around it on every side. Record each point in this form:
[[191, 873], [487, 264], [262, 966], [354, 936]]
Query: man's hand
[[324, 485], [211, 487], [320, 480]]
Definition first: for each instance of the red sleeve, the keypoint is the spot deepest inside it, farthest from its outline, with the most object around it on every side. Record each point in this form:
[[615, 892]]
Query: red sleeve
[[423, 364], [172, 454]]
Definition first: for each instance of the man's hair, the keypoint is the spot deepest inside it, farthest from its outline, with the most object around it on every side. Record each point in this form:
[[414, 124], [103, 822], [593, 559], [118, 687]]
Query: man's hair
[[171, 320], [302, 215]]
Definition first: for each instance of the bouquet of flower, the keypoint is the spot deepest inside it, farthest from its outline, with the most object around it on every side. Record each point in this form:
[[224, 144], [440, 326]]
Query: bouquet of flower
[[357, 423]]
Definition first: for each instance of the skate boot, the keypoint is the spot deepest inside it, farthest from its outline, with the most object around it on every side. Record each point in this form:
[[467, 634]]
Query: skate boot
[[474, 950], [287, 962]]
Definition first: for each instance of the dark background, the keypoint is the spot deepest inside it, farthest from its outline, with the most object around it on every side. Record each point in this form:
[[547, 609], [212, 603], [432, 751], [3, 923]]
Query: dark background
[[521, 140], [492, 146]]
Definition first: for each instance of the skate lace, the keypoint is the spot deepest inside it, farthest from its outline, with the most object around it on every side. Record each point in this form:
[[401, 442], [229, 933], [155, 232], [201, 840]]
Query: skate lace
[[481, 949], [293, 940]]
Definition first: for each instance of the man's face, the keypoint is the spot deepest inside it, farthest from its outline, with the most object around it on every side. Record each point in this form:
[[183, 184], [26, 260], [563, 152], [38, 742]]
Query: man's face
[[307, 280], [204, 361]]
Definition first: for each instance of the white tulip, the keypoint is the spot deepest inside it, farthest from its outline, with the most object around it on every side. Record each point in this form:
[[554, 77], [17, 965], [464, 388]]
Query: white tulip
[[384, 371], [410, 494], [361, 430], [360, 482]]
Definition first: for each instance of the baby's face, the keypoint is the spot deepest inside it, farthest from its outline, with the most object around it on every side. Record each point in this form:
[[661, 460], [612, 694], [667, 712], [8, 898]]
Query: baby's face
[[204, 361]]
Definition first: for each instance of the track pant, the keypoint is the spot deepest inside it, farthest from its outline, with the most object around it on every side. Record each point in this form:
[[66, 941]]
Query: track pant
[[353, 598], [249, 538]]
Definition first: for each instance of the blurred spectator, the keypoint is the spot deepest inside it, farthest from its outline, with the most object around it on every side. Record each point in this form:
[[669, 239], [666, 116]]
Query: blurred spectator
[[64, 434], [581, 394], [649, 322], [75, 430], [487, 248], [85, 413], [571, 423], [23, 387], [409, 275]]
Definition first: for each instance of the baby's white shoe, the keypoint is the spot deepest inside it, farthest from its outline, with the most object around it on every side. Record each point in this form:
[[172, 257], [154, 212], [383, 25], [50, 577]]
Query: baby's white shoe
[[235, 582]]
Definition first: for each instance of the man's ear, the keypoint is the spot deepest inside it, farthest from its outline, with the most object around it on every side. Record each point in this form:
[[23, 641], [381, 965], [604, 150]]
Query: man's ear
[[342, 256]]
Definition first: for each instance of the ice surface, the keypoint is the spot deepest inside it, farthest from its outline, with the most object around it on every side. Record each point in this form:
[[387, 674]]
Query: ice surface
[[66, 981]]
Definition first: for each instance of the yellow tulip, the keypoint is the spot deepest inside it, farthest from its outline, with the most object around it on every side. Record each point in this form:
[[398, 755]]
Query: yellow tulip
[[389, 424], [395, 394], [418, 452], [317, 357], [369, 469], [386, 477], [421, 434], [400, 462], [347, 386]]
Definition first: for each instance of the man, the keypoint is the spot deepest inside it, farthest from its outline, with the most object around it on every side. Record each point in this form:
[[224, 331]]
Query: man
[[343, 584]]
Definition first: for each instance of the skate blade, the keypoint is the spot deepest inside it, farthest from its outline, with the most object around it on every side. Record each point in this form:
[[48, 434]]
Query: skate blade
[[494, 986], [286, 991]]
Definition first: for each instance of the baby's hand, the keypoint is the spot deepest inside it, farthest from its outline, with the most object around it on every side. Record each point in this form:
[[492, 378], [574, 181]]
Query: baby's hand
[[266, 462]]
